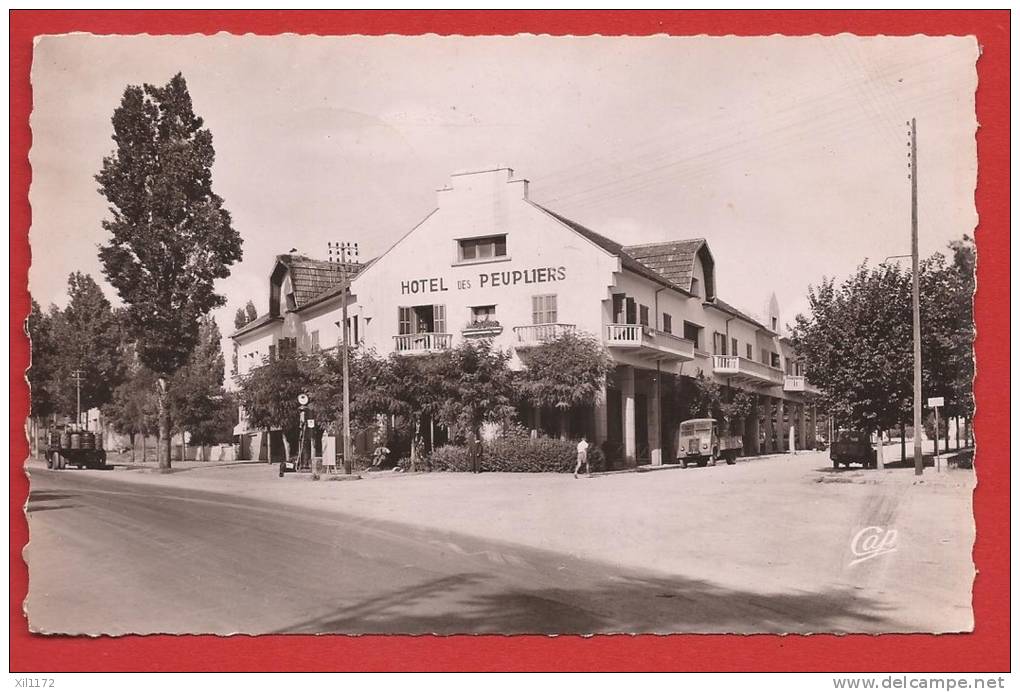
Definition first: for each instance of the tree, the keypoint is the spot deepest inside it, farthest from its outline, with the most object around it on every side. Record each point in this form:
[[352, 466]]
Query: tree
[[39, 328], [714, 400], [857, 346], [170, 237], [479, 387], [368, 373], [87, 339], [250, 313], [240, 319], [413, 388], [269, 392], [566, 372], [198, 403], [134, 409], [858, 340]]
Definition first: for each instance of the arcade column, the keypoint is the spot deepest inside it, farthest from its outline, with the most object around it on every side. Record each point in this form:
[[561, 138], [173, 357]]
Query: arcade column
[[601, 412], [752, 432], [802, 426], [655, 421], [626, 375], [770, 437]]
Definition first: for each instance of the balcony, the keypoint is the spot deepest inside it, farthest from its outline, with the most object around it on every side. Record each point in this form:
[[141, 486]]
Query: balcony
[[798, 383], [426, 342], [538, 334], [647, 342], [747, 371]]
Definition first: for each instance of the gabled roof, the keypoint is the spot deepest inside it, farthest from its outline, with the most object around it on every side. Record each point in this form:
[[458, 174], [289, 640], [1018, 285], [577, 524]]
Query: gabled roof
[[627, 261], [310, 278], [673, 259], [255, 324], [334, 290], [722, 305]]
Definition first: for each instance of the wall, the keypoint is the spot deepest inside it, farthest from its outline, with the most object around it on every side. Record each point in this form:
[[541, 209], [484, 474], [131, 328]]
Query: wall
[[543, 257]]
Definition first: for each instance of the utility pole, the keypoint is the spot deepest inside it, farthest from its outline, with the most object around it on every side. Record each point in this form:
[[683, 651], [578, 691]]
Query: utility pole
[[344, 254], [78, 375], [918, 430]]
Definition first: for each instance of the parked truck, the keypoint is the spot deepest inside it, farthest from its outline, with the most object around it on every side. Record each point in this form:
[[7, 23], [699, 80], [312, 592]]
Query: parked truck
[[853, 447], [699, 442], [68, 445]]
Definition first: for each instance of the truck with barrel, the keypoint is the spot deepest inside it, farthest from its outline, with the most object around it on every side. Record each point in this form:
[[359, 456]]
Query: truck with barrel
[[70, 445], [699, 441]]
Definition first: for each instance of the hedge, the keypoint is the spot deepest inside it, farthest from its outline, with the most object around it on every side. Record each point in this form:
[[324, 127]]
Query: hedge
[[514, 455]]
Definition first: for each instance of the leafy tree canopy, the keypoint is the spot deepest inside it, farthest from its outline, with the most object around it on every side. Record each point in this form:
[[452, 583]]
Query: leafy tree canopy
[[566, 372], [170, 236]]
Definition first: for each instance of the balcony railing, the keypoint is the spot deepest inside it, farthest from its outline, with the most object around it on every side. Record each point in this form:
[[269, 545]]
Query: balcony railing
[[745, 369], [426, 342], [648, 342], [798, 383], [536, 334]]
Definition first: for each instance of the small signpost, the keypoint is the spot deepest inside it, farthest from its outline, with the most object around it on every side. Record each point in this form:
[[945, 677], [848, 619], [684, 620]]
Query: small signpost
[[935, 402]]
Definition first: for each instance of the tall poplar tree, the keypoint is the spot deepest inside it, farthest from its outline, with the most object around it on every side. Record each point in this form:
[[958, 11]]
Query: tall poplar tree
[[170, 237]]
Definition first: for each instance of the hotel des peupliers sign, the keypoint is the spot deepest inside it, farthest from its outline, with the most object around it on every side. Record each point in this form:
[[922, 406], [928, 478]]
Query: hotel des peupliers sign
[[437, 284]]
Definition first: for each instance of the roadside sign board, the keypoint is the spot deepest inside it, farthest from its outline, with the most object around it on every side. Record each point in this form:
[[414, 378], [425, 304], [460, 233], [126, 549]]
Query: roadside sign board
[[936, 401]]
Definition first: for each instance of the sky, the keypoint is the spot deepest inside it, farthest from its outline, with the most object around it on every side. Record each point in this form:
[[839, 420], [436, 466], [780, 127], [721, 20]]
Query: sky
[[788, 154]]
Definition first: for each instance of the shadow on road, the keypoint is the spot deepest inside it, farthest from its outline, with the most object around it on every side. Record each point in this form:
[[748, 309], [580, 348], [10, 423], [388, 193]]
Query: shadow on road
[[475, 603]]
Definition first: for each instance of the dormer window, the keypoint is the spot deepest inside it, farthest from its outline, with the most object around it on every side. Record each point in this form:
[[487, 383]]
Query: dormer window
[[481, 249], [695, 288]]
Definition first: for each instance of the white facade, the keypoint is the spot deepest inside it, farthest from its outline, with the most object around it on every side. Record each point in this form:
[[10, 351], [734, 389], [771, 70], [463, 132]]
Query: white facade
[[488, 262]]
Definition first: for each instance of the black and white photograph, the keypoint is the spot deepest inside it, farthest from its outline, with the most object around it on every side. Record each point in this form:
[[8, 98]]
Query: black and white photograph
[[519, 334]]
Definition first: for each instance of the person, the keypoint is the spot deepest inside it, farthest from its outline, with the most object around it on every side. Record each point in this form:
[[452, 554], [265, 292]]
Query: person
[[582, 457], [475, 448]]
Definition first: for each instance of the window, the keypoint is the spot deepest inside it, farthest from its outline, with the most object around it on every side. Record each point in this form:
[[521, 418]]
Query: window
[[734, 345], [750, 352], [644, 315], [421, 319], [667, 323], [695, 288], [352, 331], [315, 339], [775, 360], [286, 348], [472, 249], [765, 356], [719, 344], [619, 308], [775, 324], [543, 309], [483, 313], [692, 332]]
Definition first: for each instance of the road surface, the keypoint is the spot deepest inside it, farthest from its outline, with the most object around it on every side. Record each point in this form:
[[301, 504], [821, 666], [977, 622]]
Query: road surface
[[115, 557]]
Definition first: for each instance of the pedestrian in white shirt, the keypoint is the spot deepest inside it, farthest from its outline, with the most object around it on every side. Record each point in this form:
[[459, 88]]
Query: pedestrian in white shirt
[[582, 457]]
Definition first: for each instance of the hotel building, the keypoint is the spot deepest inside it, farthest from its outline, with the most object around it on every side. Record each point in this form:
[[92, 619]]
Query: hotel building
[[490, 263]]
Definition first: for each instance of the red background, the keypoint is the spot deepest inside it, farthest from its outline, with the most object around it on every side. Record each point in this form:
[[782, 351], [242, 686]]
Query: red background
[[986, 649]]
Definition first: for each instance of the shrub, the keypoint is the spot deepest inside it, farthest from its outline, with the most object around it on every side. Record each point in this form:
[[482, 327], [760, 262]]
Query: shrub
[[517, 455]]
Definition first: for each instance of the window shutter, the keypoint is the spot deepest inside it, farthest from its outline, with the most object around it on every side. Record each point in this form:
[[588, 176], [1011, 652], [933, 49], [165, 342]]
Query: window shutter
[[631, 311], [618, 308], [404, 320], [439, 318]]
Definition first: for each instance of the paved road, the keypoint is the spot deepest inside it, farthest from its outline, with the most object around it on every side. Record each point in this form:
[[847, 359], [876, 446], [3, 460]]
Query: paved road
[[116, 557]]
